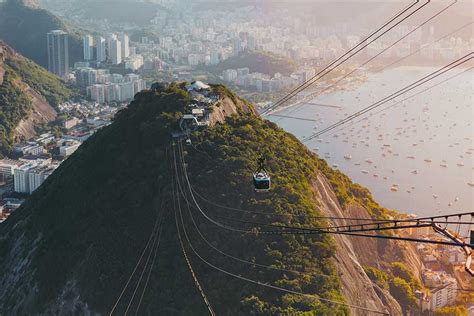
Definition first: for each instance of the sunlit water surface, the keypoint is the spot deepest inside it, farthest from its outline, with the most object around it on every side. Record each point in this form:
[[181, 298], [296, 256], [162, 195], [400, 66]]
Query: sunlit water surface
[[417, 156]]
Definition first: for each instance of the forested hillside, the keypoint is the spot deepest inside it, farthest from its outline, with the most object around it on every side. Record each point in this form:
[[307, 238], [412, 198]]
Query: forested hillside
[[99, 208], [25, 88]]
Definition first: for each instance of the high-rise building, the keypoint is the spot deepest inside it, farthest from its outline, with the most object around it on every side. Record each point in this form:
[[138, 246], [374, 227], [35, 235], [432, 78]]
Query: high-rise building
[[88, 44], [109, 39], [237, 46], [58, 53], [96, 92], [125, 41], [115, 52], [100, 49]]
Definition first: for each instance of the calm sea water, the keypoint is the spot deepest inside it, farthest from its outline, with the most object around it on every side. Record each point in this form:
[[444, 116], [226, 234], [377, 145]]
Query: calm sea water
[[416, 157]]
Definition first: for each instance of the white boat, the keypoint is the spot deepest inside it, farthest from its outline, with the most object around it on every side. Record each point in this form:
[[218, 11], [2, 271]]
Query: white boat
[[460, 164], [428, 160], [348, 157], [365, 172], [435, 196], [444, 165], [471, 184], [394, 189], [368, 161]]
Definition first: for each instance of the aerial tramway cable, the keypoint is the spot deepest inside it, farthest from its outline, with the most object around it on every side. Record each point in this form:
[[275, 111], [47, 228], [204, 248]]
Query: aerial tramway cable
[[401, 101], [183, 249], [156, 239], [254, 281], [292, 230], [155, 227], [150, 270], [183, 194], [390, 46], [365, 42], [298, 106], [394, 95]]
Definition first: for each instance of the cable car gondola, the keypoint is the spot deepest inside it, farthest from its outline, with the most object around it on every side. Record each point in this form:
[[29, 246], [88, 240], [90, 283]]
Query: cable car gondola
[[261, 179]]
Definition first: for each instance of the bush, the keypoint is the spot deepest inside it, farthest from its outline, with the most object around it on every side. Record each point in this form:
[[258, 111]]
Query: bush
[[378, 276], [403, 293], [451, 311]]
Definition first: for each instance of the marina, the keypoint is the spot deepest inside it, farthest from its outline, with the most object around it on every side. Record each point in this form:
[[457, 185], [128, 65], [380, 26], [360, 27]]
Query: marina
[[416, 144]]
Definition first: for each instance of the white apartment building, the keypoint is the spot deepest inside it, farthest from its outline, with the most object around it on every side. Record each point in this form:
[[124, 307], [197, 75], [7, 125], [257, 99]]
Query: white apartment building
[[115, 52], [88, 44], [38, 175], [68, 148], [442, 296], [230, 75], [7, 168], [31, 148], [58, 52], [125, 44], [21, 178], [100, 49], [126, 91], [96, 93]]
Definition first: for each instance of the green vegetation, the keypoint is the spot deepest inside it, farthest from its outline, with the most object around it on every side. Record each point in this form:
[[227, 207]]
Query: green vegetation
[[266, 63], [400, 281], [451, 311], [98, 208], [399, 269], [403, 293], [15, 99], [348, 192], [51, 87], [224, 174], [14, 106], [24, 28], [380, 277]]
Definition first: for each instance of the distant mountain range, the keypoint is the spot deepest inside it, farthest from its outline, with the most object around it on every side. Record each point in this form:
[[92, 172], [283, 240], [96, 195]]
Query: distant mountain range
[[23, 26]]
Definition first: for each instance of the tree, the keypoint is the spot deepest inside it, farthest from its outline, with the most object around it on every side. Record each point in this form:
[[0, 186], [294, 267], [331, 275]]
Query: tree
[[403, 293]]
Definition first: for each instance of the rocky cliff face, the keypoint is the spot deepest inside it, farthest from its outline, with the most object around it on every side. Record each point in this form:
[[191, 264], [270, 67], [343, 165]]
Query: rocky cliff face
[[354, 252]]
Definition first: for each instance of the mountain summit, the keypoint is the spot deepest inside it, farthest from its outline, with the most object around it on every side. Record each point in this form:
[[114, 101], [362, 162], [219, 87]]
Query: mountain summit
[[73, 247]]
